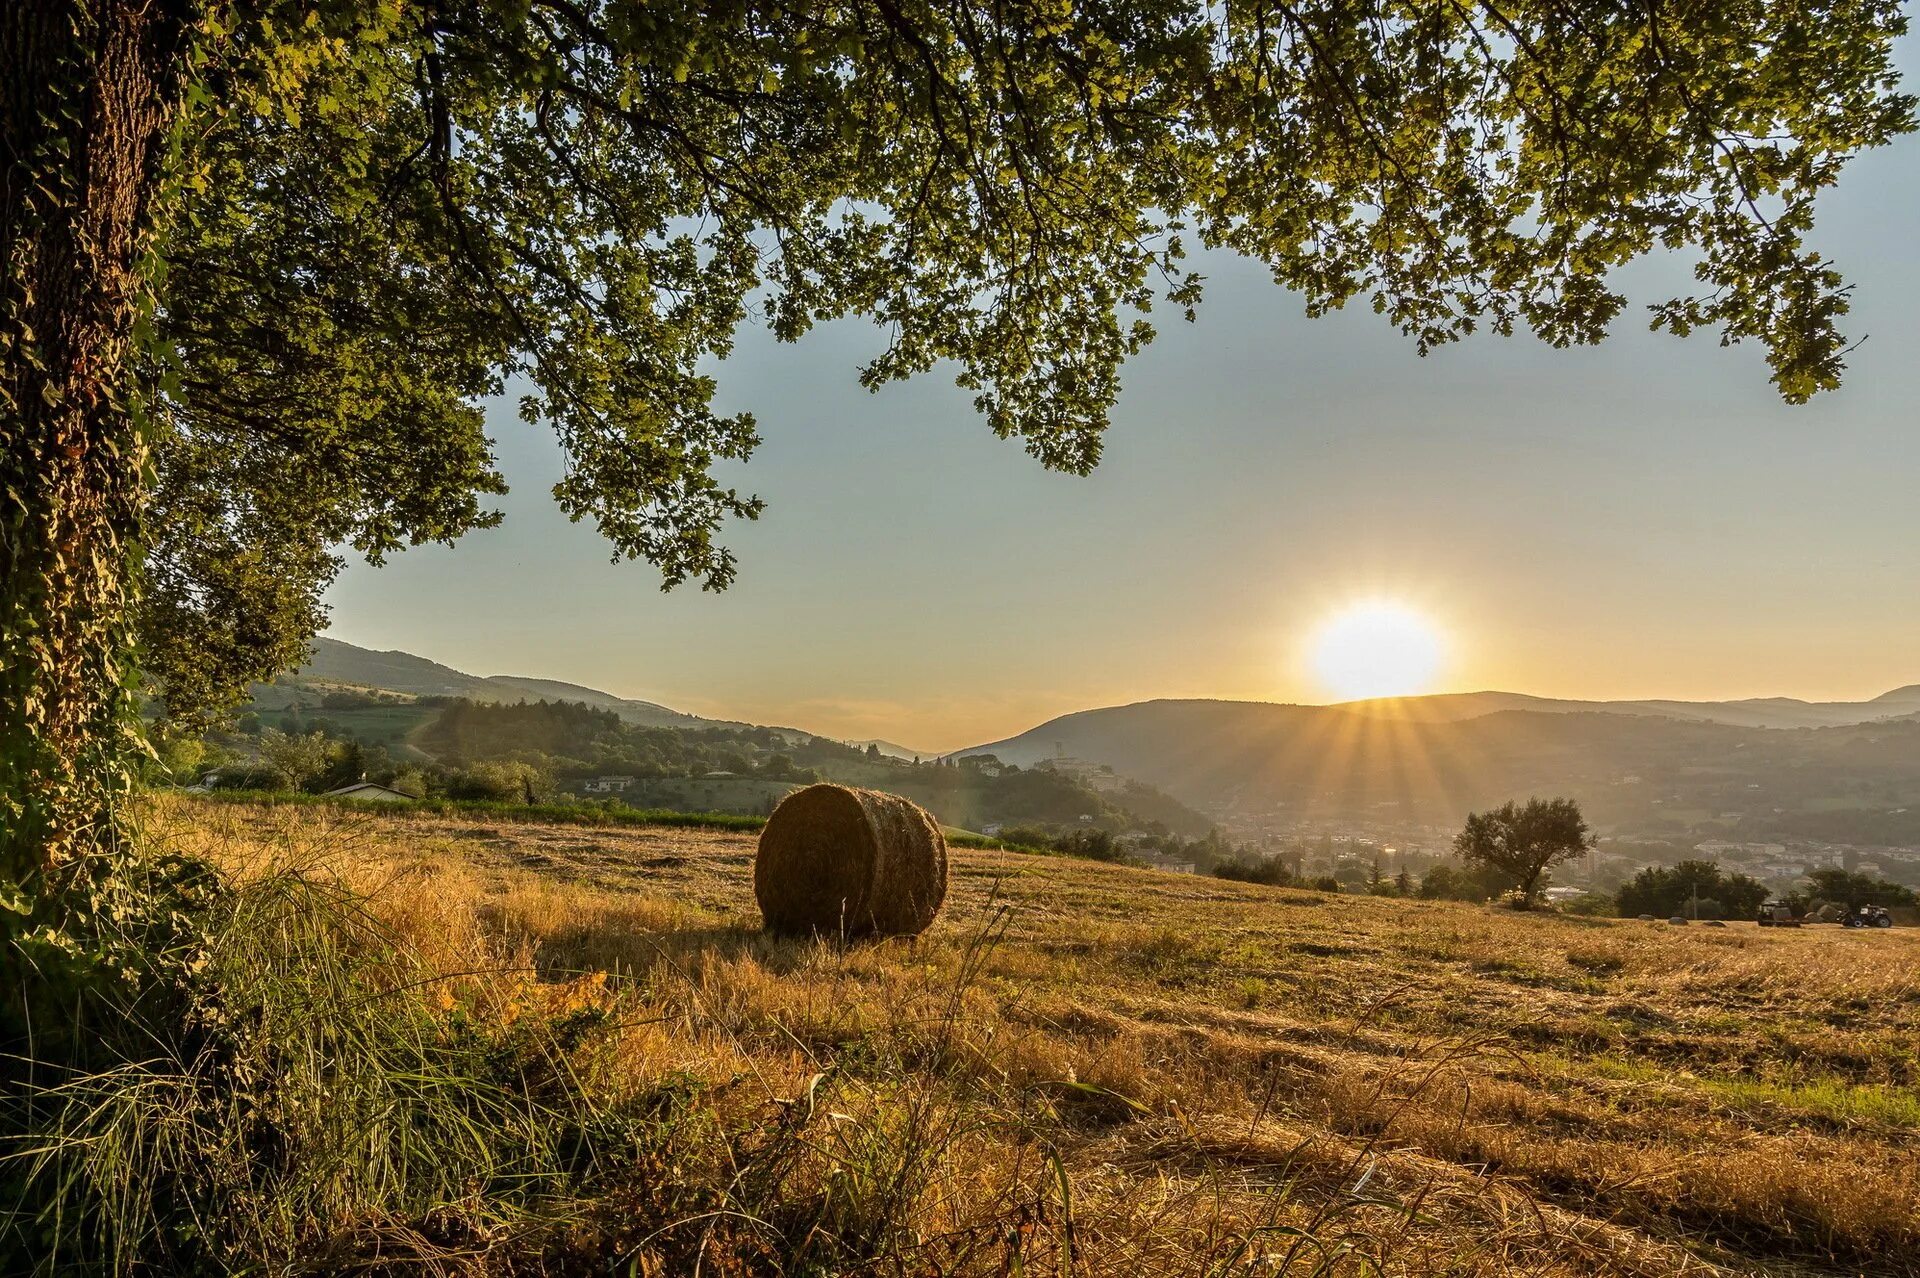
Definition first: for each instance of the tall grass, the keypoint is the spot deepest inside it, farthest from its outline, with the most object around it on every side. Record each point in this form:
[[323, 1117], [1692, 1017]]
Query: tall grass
[[308, 1098]]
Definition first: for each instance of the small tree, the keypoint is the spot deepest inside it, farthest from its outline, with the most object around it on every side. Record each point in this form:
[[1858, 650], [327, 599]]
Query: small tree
[[300, 759], [1524, 842]]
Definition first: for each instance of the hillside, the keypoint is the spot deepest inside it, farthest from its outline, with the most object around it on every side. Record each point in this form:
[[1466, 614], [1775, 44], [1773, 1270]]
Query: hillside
[[1091, 1070], [1766, 768], [334, 662], [1641, 773], [574, 746], [1755, 712]]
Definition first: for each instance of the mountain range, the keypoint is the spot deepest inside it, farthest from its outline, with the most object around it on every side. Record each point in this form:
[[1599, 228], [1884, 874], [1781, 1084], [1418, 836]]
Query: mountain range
[[1767, 767], [1424, 761]]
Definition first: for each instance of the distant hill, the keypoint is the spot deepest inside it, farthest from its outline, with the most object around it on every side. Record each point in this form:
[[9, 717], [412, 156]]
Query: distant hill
[[344, 663], [893, 749], [1647, 772], [710, 764], [1765, 767], [1756, 712]]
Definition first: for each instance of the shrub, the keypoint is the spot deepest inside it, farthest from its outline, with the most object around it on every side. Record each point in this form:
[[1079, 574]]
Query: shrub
[[499, 783], [1247, 869], [250, 776]]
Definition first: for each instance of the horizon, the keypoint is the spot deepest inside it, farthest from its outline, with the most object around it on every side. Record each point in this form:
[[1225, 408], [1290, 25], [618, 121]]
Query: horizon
[[1641, 520], [721, 713]]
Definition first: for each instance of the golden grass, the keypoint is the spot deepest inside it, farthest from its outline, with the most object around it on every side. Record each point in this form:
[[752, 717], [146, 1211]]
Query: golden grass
[[1090, 1069]]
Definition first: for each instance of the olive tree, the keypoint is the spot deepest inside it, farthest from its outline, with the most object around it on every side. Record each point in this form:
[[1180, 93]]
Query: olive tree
[[1522, 843]]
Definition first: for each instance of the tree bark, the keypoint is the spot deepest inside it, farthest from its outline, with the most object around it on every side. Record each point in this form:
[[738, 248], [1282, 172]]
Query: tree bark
[[89, 94]]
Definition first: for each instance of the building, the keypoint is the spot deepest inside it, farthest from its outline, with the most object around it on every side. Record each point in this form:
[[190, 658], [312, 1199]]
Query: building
[[607, 785]]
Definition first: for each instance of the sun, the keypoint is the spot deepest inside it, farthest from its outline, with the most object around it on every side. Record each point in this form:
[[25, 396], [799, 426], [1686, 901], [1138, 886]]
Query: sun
[[1377, 648]]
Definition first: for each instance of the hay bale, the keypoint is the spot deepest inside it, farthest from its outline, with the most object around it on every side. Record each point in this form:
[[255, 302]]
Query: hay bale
[[847, 862]]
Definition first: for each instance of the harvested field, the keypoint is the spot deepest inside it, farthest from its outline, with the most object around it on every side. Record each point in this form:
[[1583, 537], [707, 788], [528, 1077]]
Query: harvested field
[[1085, 1068]]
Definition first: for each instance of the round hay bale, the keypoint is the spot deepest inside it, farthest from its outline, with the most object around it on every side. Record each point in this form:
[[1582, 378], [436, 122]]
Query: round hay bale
[[848, 862]]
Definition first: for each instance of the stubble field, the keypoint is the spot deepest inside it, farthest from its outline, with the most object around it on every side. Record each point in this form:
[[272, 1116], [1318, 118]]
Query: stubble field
[[1092, 1069]]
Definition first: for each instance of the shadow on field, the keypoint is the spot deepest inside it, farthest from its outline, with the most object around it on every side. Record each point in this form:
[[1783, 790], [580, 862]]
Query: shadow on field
[[591, 945]]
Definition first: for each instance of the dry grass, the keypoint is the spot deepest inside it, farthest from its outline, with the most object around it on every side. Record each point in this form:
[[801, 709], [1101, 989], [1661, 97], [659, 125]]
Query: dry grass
[[1089, 1069]]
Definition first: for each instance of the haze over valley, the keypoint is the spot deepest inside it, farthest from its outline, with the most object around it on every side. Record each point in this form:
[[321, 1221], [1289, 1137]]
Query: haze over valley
[[1778, 781]]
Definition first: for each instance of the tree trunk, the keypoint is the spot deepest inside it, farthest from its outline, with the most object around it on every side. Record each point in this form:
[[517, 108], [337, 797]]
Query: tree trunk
[[89, 93]]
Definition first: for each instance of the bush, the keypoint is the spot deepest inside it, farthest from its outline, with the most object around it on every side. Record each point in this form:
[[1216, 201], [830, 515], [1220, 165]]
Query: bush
[[499, 783], [410, 780], [250, 776], [1093, 845], [1246, 869]]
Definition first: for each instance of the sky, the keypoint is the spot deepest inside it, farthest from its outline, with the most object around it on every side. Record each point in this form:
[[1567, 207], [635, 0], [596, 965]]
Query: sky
[[1644, 518]]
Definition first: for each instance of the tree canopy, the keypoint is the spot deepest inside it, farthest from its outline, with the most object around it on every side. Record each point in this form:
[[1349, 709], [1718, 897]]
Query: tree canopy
[[383, 213], [265, 259], [1854, 889], [1666, 891], [1522, 843]]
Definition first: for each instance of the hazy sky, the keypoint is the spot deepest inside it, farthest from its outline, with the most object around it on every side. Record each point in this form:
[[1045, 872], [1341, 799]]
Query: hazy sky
[[1644, 518]]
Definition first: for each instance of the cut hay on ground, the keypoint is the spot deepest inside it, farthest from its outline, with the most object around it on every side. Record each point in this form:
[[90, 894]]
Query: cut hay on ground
[[847, 862]]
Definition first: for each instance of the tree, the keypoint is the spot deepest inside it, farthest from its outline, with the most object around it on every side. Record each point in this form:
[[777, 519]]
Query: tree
[[1446, 882], [1854, 889], [1524, 842], [1665, 891], [263, 258], [500, 782], [1093, 844], [300, 759], [1247, 868]]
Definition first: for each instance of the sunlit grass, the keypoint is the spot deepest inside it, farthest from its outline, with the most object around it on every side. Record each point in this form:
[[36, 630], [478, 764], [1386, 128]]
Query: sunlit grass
[[1095, 1070]]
